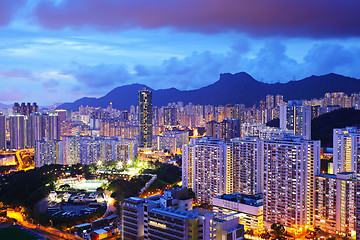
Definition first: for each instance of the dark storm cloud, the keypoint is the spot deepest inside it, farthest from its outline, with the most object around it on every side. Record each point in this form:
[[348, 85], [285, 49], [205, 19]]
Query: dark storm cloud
[[306, 18], [8, 9], [271, 64]]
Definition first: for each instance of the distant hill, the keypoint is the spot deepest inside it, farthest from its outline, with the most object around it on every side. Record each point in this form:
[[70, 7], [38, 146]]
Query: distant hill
[[230, 88], [322, 126], [2, 105]]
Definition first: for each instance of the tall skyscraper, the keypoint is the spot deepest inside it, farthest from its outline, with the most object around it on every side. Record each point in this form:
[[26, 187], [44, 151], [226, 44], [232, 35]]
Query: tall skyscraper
[[296, 117], [279, 99], [17, 131], [269, 101], [48, 152], [345, 142], [170, 116], [357, 196], [246, 165], [290, 167], [25, 109], [205, 167], [145, 118], [229, 128], [229, 111], [62, 114], [2, 131], [52, 128], [335, 210], [35, 129]]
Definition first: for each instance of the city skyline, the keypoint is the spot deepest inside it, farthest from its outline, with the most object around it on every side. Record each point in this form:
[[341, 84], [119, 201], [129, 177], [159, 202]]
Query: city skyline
[[61, 50]]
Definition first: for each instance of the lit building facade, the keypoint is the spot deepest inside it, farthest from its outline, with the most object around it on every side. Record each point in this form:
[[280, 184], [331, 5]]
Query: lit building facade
[[145, 118], [248, 208], [205, 167], [88, 150], [2, 131], [290, 166], [48, 152], [335, 203], [345, 141], [296, 117], [262, 131], [163, 217], [17, 131], [247, 166]]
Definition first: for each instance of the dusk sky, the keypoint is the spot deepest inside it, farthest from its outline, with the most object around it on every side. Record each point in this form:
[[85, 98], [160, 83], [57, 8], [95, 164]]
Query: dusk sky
[[61, 50]]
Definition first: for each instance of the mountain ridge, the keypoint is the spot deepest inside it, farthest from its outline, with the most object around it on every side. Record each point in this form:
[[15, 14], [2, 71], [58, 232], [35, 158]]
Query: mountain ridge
[[229, 89]]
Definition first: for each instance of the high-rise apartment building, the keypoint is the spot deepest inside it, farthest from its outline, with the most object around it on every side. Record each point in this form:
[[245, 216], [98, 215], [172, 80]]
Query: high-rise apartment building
[[48, 152], [279, 100], [229, 111], [246, 165], [25, 109], [345, 141], [17, 131], [170, 116], [145, 118], [262, 131], [335, 197], [87, 150], [290, 166], [269, 101], [52, 126], [296, 117], [205, 167], [71, 149], [357, 196], [2, 131], [62, 115], [229, 128], [239, 112]]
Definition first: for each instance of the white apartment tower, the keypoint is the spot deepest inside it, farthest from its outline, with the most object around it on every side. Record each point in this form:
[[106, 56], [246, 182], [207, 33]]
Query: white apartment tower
[[335, 210], [206, 167], [345, 142], [48, 152], [296, 117], [247, 165], [290, 166]]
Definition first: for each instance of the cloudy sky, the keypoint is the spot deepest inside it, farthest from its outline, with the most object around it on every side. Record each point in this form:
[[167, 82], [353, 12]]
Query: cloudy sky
[[60, 50]]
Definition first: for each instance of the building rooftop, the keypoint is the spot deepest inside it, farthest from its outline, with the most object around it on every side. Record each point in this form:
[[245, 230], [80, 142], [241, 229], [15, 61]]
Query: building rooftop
[[251, 200]]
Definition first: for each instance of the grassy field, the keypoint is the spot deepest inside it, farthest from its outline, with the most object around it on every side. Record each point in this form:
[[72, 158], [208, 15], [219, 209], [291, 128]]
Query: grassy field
[[14, 233]]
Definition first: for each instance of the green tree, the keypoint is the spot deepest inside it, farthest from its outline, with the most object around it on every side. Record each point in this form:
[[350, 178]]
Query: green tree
[[265, 235], [278, 231]]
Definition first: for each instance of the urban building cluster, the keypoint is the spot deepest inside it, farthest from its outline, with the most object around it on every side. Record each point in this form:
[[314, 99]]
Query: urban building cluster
[[250, 173], [282, 168], [171, 216]]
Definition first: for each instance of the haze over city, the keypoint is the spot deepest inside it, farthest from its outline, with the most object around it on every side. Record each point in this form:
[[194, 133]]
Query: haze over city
[[61, 50]]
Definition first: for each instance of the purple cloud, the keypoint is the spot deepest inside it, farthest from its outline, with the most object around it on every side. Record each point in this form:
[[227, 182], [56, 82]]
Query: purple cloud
[[16, 73], [306, 18], [7, 10], [11, 94], [99, 76], [51, 83]]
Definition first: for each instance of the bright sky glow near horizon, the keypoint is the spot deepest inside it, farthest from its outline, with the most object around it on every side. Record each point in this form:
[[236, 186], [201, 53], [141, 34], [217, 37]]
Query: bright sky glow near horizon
[[61, 50]]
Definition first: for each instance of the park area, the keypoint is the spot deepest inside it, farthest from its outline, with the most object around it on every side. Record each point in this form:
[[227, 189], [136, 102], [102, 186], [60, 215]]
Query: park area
[[15, 233]]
